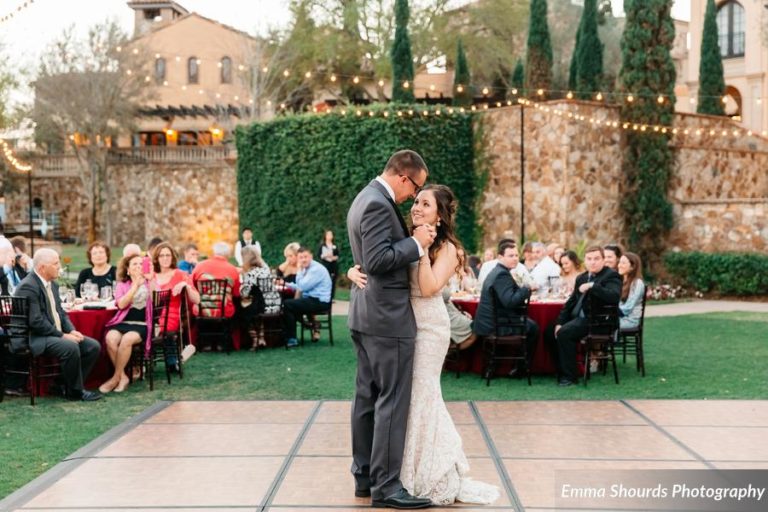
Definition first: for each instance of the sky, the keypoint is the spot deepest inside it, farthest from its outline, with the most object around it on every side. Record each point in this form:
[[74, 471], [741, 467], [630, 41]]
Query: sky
[[26, 35]]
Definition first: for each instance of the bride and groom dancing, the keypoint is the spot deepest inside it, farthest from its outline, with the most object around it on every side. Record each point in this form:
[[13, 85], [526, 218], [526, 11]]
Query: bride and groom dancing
[[407, 452]]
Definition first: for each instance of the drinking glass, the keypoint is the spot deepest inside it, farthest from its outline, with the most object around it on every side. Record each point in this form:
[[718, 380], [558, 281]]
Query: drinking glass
[[105, 293]]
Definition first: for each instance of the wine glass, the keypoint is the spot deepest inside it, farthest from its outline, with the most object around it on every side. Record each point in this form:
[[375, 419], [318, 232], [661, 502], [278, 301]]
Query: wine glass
[[105, 294]]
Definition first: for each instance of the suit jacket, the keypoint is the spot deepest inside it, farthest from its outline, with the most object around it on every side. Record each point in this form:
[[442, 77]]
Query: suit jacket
[[381, 245], [499, 285], [607, 290], [40, 319]]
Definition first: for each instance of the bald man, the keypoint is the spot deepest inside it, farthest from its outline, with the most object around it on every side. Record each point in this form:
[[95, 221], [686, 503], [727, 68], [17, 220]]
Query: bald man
[[52, 334]]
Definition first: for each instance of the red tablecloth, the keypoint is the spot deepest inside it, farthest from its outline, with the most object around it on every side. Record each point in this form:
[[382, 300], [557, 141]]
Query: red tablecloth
[[543, 313]]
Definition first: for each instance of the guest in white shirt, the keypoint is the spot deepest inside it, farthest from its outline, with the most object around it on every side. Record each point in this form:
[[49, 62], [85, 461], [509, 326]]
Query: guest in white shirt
[[246, 240], [546, 266]]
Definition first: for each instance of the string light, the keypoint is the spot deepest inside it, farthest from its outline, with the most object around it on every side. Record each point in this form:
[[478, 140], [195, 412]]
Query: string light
[[599, 96], [569, 95], [12, 160]]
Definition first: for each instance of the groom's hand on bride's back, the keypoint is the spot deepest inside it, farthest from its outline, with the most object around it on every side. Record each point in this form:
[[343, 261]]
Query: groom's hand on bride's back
[[424, 235]]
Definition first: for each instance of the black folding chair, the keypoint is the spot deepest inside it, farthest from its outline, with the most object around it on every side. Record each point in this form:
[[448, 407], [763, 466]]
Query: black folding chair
[[507, 347], [600, 341], [211, 322], [15, 339], [318, 322]]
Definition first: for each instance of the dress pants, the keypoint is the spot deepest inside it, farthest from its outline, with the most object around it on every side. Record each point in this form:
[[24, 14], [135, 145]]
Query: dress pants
[[380, 411], [563, 347], [293, 308], [76, 359]]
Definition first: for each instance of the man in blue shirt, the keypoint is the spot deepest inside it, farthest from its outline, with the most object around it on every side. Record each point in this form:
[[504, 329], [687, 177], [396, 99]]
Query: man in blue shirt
[[314, 284]]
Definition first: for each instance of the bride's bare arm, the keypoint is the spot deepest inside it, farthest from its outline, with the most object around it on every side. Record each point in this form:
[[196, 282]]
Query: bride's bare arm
[[434, 277]]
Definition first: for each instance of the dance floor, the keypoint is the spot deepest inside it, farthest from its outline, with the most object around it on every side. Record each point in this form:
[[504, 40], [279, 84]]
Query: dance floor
[[287, 456]]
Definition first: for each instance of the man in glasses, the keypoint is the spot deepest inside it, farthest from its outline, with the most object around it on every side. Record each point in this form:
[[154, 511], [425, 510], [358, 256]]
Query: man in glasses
[[384, 329]]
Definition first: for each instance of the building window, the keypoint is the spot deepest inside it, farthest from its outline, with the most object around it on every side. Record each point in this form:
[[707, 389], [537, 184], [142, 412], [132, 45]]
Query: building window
[[159, 70], [226, 70], [151, 14], [193, 71], [730, 29]]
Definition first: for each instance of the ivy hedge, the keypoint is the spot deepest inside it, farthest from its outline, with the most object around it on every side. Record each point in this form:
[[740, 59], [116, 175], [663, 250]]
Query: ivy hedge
[[297, 175], [726, 273]]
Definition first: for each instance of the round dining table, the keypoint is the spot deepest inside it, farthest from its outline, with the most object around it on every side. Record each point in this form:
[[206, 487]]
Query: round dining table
[[542, 312]]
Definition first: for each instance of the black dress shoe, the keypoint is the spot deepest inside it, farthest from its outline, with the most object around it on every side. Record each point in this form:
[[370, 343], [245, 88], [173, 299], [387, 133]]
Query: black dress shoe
[[565, 383], [362, 493], [85, 396], [402, 500], [16, 392]]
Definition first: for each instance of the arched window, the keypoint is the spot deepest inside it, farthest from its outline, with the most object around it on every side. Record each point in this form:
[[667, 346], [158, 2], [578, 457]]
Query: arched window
[[226, 70], [193, 71], [159, 70], [730, 29]]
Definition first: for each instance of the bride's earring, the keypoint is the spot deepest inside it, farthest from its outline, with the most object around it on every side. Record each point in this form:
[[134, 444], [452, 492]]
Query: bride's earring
[[438, 222]]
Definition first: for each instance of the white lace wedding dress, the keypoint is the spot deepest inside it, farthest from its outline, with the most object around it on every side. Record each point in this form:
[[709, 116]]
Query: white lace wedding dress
[[434, 464]]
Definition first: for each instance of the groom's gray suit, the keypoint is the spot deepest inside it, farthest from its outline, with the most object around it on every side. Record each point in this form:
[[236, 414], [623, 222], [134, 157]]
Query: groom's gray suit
[[383, 330]]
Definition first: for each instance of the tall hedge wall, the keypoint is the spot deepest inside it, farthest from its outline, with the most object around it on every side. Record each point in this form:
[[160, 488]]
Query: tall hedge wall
[[297, 176]]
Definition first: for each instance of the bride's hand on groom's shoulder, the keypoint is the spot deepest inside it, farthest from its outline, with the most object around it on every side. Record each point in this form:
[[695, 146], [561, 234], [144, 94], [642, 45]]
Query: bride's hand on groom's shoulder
[[355, 275]]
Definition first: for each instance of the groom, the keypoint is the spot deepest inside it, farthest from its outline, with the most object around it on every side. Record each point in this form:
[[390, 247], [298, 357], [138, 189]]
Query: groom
[[384, 329]]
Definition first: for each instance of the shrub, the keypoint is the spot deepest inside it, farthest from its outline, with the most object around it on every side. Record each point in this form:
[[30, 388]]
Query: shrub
[[297, 175], [725, 273]]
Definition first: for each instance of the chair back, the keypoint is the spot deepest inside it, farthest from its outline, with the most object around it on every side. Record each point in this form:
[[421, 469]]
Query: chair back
[[213, 297], [642, 311], [14, 319], [509, 320], [161, 307], [603, 318]]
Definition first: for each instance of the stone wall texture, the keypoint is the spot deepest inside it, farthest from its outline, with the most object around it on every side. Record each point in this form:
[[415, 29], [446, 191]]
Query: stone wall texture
[[573, 186], [573, 179], [177, 202]]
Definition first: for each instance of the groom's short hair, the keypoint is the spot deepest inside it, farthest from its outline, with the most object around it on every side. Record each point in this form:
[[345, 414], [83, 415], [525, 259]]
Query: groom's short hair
[[405, 162]]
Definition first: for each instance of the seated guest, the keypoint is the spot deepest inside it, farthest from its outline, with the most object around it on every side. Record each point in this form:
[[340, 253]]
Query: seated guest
[[520, 272], [257, 291], [500, 287], [218, 267], [287, 269], [131, 250], [52, 333], [571, 268], [461, 323], [545, 268], [529, 259], [612, 255], [101, 272], [245, 240], [133, 322], [562, 337], [474, 263], [464, 280], [8, 279], [168, 277], [555, 251], [314, 283], [632, 290], [191, 254], [23, 263], [489, 255]]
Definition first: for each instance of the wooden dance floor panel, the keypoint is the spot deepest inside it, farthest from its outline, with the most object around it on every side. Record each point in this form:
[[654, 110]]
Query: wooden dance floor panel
[[295, 455]]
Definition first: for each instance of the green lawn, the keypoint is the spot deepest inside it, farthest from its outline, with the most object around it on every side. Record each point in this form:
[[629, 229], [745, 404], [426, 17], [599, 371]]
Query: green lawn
[[700, 356]]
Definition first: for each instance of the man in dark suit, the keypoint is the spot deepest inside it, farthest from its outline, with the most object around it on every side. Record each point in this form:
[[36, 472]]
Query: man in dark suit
[[384, 329], [598, 283], [501, 287], [52, 334]]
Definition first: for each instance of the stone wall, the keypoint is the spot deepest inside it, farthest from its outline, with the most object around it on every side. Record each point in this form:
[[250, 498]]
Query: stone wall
[[177, 202], [573, 179]]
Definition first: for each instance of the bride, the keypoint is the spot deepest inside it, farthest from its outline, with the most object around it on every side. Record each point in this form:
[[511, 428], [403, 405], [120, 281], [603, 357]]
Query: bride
[[434, 463]]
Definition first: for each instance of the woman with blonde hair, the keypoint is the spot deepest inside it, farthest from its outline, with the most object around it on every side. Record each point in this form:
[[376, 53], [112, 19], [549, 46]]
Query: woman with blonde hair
[[288, 269]]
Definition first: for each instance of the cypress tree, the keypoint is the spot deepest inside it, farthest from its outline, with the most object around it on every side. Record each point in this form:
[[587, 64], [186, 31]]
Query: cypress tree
[[402, 60], [573, 70], [589, 70], [648, 72], [538, 61], [518, 76], [711, 81], [461, 78]]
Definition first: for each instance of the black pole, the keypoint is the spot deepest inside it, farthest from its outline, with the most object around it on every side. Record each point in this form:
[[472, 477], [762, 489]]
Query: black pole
[[522, 173], [31, 228]]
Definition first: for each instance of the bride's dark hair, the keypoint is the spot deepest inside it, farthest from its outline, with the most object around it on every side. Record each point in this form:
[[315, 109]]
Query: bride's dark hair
[[446, 231]]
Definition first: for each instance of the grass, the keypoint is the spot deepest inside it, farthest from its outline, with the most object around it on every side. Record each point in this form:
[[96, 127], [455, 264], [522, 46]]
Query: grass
[[713, 356]]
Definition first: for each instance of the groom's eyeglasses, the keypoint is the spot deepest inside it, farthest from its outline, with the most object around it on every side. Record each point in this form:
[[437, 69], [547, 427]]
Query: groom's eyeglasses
[[416, 186]]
